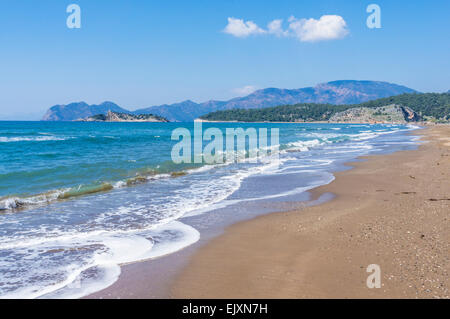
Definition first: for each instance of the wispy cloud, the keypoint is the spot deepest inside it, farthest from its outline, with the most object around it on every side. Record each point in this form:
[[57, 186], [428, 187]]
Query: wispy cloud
[[241, 29], [275, 27], [327, 27], [246, 90]]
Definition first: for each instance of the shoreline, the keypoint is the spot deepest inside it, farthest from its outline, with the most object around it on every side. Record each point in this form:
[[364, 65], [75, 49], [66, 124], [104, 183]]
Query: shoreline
[[166, 277], [419, 123], [390, 210]]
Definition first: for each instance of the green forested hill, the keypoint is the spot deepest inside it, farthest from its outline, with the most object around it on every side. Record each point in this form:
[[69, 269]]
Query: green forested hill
[[429, 106], [284, 113]]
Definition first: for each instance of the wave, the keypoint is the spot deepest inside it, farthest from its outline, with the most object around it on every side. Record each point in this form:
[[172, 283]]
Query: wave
[[85, 190], [105, 262], [5, 139], [147, 175], [20, 203], [303, 146], [12, 203]]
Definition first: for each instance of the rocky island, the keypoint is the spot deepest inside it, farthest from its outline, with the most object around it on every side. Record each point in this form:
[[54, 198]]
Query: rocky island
[[123, 117]]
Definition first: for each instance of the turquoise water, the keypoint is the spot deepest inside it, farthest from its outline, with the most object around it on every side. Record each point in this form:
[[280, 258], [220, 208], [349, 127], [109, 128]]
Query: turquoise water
[[78, 199], [39, 157]]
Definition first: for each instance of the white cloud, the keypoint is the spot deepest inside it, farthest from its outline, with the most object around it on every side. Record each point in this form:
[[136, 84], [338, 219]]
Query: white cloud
[[328, 27], [275, 27], [246, 90], [241, 29]]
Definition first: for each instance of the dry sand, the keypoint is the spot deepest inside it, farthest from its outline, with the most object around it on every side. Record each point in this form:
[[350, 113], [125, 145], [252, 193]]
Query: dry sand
[[391, 210]]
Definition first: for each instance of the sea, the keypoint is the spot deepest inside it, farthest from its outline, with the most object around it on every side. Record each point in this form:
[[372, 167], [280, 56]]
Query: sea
[[79, 199]]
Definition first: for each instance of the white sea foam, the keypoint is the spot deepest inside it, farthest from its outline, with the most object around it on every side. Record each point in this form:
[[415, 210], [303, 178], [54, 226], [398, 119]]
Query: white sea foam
[[126, 249], [304, 146], [119, 248], [119, 184], [8, 203], [4, 139], [39, 199]]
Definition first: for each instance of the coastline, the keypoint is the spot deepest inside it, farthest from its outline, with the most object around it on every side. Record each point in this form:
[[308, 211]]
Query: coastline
[[390, 210], [280, 255], [314, 122]]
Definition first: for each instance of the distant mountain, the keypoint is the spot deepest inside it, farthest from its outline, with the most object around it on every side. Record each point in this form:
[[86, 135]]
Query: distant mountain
[[180, 112], [80, 110], [337, 92]]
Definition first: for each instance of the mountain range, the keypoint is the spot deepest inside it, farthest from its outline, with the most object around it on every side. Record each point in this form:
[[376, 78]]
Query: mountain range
[[336, 92]]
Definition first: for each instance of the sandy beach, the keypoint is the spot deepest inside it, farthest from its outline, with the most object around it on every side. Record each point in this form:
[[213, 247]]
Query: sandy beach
[[390, 210]]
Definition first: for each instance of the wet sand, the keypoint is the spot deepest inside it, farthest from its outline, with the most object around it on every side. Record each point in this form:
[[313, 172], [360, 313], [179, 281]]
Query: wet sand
[[390, 210]]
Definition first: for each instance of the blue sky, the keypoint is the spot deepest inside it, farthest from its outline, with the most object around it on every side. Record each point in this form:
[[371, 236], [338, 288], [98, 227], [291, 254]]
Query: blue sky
[[143, 53]]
